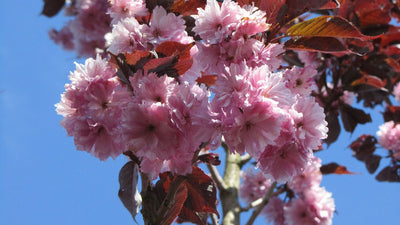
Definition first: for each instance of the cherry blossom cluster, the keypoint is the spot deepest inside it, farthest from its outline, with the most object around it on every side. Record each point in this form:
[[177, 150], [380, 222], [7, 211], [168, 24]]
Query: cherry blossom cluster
[[85, 32], [305, 203], [258, 105], [389, 132]]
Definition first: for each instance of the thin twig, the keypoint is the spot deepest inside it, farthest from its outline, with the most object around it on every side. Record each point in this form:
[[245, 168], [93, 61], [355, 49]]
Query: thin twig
[[258, 202], [245, 159], [217, 177], [264, 202], [253, 204]]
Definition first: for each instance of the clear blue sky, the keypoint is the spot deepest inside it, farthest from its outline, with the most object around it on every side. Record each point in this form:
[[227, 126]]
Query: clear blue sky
[[45, 181]]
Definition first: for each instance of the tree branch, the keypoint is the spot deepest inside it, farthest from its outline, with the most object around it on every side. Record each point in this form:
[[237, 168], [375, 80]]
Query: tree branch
[[264, 202], [253, 204], [245, 159], [217, 177], [214, 219]]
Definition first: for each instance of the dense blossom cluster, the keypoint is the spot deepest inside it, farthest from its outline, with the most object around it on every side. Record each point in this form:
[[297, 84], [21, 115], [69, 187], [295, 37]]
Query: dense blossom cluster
[[309, 205], [258, 105]]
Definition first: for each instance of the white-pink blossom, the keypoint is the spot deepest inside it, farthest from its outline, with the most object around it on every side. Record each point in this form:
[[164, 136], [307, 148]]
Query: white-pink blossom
[[126, 36], [254, 185], [389, 136], [214, 23]]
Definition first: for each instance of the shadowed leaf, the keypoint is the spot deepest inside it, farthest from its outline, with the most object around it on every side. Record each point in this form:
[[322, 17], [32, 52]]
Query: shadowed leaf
[[325, 26], [392, 113], [333, 126], [52, 7], [320, 44], [372, 163], [388, 174], [363, 147], [334, 168], [128, 191], [352, 116]]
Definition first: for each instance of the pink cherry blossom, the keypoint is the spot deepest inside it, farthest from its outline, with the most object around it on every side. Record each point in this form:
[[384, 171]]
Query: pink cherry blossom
[[269, 85], [64, 37], [253, 21], [96, 138], [126, 36], [91, 106], [396, 91], [120, 9], [310, 178], [282, 162], [316, 207], [273, 211], [214, 23], [254, 185], [146, 129], [300, 80], [389, 136], [309, 120], [254, 127], [165, 26]]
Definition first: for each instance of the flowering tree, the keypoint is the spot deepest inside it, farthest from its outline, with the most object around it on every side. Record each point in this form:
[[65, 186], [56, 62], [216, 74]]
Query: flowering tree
[[168, 82]]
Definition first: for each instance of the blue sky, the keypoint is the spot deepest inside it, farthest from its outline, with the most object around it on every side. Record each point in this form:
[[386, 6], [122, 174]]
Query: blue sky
[[45, 181]]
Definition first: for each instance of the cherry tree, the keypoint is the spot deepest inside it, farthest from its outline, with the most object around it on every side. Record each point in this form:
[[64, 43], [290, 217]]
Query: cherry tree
[[170, 84]]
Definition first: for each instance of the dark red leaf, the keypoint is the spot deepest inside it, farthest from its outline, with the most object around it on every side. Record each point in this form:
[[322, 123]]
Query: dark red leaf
[[210, 158], [136, 56], [370, 80], [201, 197], [52, 7], [298, 7], [335, 169], [159, 64], [320, 44], [208, 80], [363, 147], [352, 116], [325, 26], [372, 12], [392, 113], [372, 163], [124, 70], [358, 46], [176, 208], [151, 4], [388, 174], [333, 126], [392, 36], [187, 7], [169, 48]]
